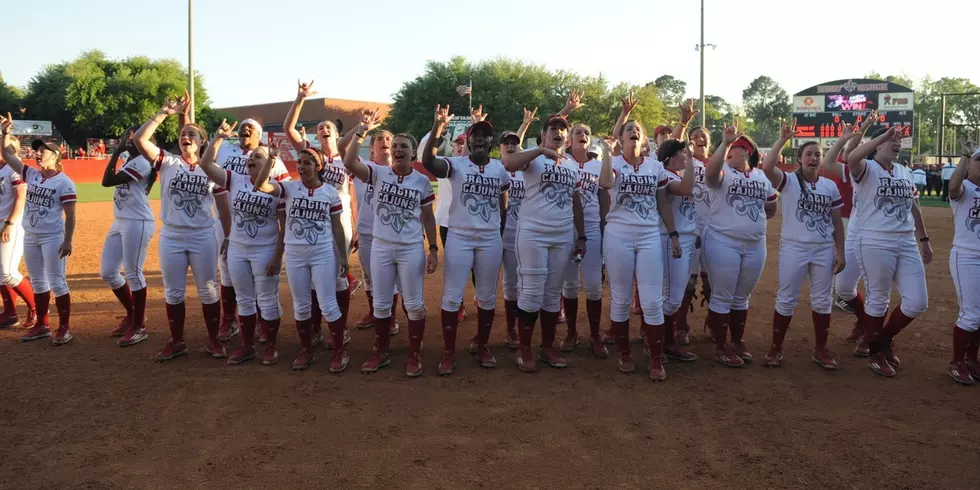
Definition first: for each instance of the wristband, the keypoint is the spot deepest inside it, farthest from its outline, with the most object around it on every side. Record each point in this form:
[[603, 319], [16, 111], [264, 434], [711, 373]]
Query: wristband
[[359, 135], [924, 239], [674, 234], [8, 222]]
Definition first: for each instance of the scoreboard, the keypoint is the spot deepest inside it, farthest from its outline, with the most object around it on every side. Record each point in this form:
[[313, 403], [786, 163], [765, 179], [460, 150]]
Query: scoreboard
[[821, 110]]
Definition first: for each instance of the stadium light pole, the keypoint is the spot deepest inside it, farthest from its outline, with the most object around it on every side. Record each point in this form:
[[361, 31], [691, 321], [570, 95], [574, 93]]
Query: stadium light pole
[[190, 57], [700, 47]]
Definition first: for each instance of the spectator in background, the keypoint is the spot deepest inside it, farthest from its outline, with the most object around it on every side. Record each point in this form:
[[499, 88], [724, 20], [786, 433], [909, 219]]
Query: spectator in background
[[919, 178], [932, 179], [947, 173], [100, 149], [80, 153]]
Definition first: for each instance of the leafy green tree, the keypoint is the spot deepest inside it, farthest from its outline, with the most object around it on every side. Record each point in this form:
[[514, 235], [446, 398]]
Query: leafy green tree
[[671, 90], [765, 104], [962, 113], [899, 79], [93, 96], [10, 98]]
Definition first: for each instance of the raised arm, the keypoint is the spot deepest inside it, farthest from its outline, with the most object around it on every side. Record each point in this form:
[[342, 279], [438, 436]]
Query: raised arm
[[830, 161], [629, 103], [574, 103], [855, 161], [10, 145], [685, 186], [354, 164], [959, 175], [769, 165], [713, 169], [687, 113], [607, 178], [146, 147], [111, 178], [303, 91], [515, 162], [214, 172], [436, 166], [529, 118], [865, 126], [262, 179]]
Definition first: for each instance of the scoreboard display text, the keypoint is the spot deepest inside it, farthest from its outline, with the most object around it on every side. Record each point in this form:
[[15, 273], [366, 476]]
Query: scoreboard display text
[[828, 124], [822, 110]]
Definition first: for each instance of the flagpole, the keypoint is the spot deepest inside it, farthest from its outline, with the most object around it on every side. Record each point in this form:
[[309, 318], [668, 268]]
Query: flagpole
[[471, 94]]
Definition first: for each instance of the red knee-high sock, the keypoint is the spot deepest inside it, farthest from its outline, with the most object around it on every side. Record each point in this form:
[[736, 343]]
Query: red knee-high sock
[[450, 324], [857, 304], [43, 301], [525, 326], [343, 302], [125, 297], [139, 307], [305, 331], [248, 329], [175, 319], [571, 314], [26, 292], [821, 328], [484, 324], [593, 308], [621, 330], [8, 300], [63, 304], [316, 316], [897, 321], [973, 348], [718, 323], [961, 343], [549, 323], [212, 319], [510, 312], [229, 302], [737, 325], [382, 334], [780, 324]]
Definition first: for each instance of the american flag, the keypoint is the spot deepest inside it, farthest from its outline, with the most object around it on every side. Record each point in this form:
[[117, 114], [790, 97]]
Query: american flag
[[465, 89]]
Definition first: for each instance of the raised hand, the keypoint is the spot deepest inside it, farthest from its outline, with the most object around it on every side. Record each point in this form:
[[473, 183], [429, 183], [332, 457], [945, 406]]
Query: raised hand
[[530, 116], [304, 90], [629, 103], [574, 101], [443, 116], [6, 124], [869, 121], [731, 133], [187, 103], [370, 120], [688, 111], [969, 146], [476, 114], [225, 130], [787, 132], [847, 130], [895, 133]]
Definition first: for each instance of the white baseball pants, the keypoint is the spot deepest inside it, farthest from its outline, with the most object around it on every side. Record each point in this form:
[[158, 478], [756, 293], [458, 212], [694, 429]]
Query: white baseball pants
[[311, 267], [46, 268], [10, 255], [126, 246], [964, 267], [884, 260], [634, 253], [195, 247], [591, 268], [797, 262], [677, 272], [541, 262], [734, 268], [247, 264], [480, 252], [404, 264]]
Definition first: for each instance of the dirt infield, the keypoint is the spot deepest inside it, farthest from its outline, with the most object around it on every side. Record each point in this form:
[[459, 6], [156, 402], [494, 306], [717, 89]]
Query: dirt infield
[[92, 415]]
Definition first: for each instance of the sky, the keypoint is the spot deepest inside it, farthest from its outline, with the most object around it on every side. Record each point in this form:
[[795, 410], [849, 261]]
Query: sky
[[252, 52]]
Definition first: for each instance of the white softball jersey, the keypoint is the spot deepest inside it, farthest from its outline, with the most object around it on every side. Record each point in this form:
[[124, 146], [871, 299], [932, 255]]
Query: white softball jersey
[[515, 195], [806, 209], [633, 199], [336, 174], [476, 199], [966, 219], [309, 213], [254, 214], [365, 204], [444, 202], [589, 176], [132, 200], [8, 181], [682, 208], [234, 158], [738, 204], [883, 200], [549, 186], [187, 195], [45, 196], [398, 204], [702, 200]]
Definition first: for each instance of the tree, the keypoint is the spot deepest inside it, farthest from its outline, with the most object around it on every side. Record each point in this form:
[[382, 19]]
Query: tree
[[671, 90], [93, 96], [10, 98], [766, 103], [899, 79], [962, 113], [504, 87]]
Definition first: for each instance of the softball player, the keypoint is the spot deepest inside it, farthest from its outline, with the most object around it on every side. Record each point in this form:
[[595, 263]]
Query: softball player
[[234, 158], [811, 245], [734, 242], [187, 237], [402, 208], [254, 247], [964, 265], [334, 174], [591, 264], [889, 228], [129, 237], [49, 224], [632, 247], [700, 142], [680, 188], [473, 241], [550, 213], [13, 199]]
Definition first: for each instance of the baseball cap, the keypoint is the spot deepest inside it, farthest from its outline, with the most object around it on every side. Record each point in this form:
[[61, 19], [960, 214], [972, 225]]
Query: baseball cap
[[509, 135], [556, 119], [662, 129], [484, 126], [460, 139], [37, 144]]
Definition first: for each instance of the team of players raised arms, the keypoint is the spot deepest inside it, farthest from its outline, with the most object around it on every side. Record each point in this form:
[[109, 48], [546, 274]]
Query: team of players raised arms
[[651, 218]]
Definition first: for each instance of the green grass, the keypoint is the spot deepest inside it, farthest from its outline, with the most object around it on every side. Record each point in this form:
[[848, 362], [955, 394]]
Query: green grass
[[96, 193]]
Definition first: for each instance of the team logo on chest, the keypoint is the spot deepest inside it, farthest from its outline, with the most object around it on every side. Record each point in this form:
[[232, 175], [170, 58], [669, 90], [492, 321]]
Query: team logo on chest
[[396, 205], [638, 194], [746, 197], [121, 195], [39, 203], [894, 198], [687, 208], [3, 185], [700, 190], [813, 210], [335, 176], [308, 219], [557, 185], [481, 196], [973, 218], [252, 211], [590, 186], [187, 192], [514, 197], [237, 164]]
